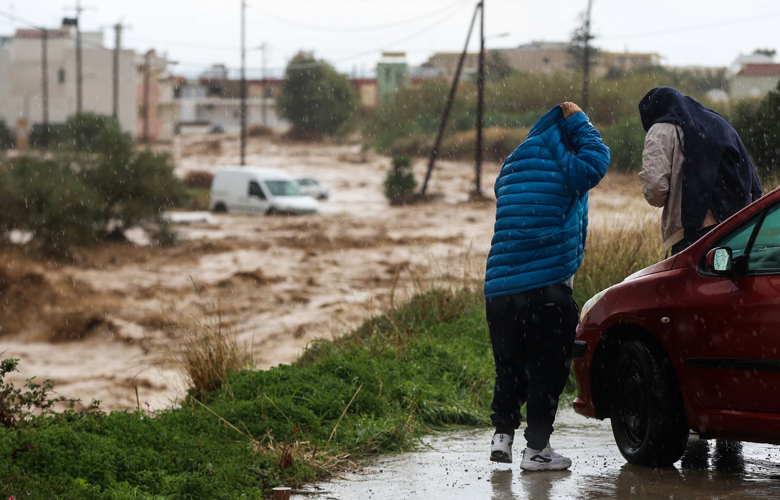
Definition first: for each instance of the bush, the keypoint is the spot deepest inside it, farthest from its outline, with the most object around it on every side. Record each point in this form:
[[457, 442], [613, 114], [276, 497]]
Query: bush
[[91, 132], [400, 182], [6, 136], [132, 185], [44, 136], [164, 235], [758, 123], [626, 140], [417, 111], [497, 143], [198, 179], [52, 202], [96, 180]]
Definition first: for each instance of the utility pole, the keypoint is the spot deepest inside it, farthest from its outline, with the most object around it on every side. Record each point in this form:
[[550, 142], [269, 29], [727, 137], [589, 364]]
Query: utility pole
[[45, 79], [263, 105], [448, 107], [117, 49], [587, 37], [147, 85], [480, 104], [243, 83], [79, 73]]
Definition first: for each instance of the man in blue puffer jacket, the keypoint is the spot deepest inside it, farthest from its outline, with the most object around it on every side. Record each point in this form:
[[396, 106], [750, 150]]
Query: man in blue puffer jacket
[[538, 245]]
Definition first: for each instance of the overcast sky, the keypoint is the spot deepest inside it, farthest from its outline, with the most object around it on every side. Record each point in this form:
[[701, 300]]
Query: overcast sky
[[351, 34]]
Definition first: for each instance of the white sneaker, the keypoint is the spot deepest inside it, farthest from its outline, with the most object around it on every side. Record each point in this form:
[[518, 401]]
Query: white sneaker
[[545, 459], [501, 449]]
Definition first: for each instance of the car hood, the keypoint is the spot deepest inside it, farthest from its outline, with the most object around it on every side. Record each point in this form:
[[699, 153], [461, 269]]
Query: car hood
[[660, 267], [302, 203]]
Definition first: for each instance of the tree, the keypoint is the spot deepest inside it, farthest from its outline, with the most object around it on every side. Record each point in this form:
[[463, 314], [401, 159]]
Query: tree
[[765, 52], [496, 66], [52, 202], [758, 125], [6, 136], [583, 53], [95, 180], [315, 98]]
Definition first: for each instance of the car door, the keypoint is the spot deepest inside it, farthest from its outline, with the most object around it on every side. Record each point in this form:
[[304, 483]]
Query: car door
[[257, 201], [729, 326]]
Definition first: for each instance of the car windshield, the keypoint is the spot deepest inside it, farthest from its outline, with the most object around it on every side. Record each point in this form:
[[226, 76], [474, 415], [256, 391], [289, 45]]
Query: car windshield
[[282, 188]]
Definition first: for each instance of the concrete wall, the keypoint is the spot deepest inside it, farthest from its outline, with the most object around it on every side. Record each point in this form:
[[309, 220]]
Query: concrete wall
[[21, 94], [227, 113]]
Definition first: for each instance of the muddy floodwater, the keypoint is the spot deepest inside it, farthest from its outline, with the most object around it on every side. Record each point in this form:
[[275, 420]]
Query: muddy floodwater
[[455, 465], [107, 324]]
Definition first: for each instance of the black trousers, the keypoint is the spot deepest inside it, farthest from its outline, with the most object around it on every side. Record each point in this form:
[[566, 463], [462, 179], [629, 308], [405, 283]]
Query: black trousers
[[532, 334]]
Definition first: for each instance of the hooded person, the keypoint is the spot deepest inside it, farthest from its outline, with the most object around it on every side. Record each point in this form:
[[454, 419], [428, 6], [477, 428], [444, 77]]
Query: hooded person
[[694, 165], [538, 245]]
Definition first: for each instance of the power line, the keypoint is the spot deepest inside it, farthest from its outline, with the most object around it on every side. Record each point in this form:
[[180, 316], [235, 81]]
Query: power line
[[363, 29], [343, 59], [691, 28], [19, 20]]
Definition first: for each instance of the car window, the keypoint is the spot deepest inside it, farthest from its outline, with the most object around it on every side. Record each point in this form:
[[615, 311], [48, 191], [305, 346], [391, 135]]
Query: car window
[[764, 255], [256, 190], [282, 188], [738, 240]]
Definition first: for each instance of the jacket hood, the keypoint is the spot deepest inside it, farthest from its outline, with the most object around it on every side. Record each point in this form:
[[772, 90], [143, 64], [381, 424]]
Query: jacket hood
[[552, 117], [665, 104]]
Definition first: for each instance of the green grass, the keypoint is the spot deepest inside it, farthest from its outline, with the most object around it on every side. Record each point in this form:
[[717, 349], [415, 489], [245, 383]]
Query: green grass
[[426, 365]]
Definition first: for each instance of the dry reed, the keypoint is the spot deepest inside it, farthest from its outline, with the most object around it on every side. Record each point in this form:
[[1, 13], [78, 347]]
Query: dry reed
[[209, 349]]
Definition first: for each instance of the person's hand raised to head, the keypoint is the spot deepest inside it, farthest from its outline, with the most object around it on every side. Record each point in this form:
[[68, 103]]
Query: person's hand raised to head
[[569, 108]]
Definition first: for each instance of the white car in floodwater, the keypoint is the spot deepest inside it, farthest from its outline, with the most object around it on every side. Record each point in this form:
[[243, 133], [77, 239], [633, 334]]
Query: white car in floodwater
[[258, 190], [313, 187]]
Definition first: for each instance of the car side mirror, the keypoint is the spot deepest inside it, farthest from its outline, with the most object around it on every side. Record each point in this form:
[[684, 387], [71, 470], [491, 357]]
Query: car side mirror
[[719, 261]]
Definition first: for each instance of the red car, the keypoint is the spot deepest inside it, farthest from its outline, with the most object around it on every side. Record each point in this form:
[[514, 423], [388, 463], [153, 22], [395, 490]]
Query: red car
[[692, 342]]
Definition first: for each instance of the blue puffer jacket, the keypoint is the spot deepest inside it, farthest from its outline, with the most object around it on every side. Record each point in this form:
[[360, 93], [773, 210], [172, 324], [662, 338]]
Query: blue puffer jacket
[[542, 204]]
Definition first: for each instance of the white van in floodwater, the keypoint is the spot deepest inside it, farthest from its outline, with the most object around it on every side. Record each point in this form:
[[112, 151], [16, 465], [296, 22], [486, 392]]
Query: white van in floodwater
[[258, 191]]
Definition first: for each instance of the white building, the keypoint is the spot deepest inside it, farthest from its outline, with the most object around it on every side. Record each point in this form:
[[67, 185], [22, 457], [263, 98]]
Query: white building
[[22, 80]]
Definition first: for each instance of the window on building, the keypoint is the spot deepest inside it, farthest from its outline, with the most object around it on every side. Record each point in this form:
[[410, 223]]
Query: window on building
[[61, 75]]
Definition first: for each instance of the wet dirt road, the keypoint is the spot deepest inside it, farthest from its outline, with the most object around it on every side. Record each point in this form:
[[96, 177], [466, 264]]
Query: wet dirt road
[[455, 465]]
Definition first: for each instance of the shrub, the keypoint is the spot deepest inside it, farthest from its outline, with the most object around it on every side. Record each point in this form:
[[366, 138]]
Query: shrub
[[6, 136], [417, 111], [43, 136], [132, 185], [54, 204], [96, 180], [400, 182], [497, 143], [758, 123], [626, 140], [91, 132], [259, 131], [23, 406], [198, 179], [209, 350], [164, 235]]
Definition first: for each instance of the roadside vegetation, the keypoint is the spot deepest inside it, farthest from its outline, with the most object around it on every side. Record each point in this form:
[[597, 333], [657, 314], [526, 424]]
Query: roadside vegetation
[[423, 366], [90, 184], [407, 124], [315, 99]]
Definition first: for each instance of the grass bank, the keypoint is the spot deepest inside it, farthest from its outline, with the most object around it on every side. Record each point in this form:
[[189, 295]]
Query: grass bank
[[422, 366], [425, 365]]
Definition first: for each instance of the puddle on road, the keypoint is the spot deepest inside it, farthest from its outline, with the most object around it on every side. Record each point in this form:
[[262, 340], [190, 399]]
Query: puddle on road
[[455, 465]]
